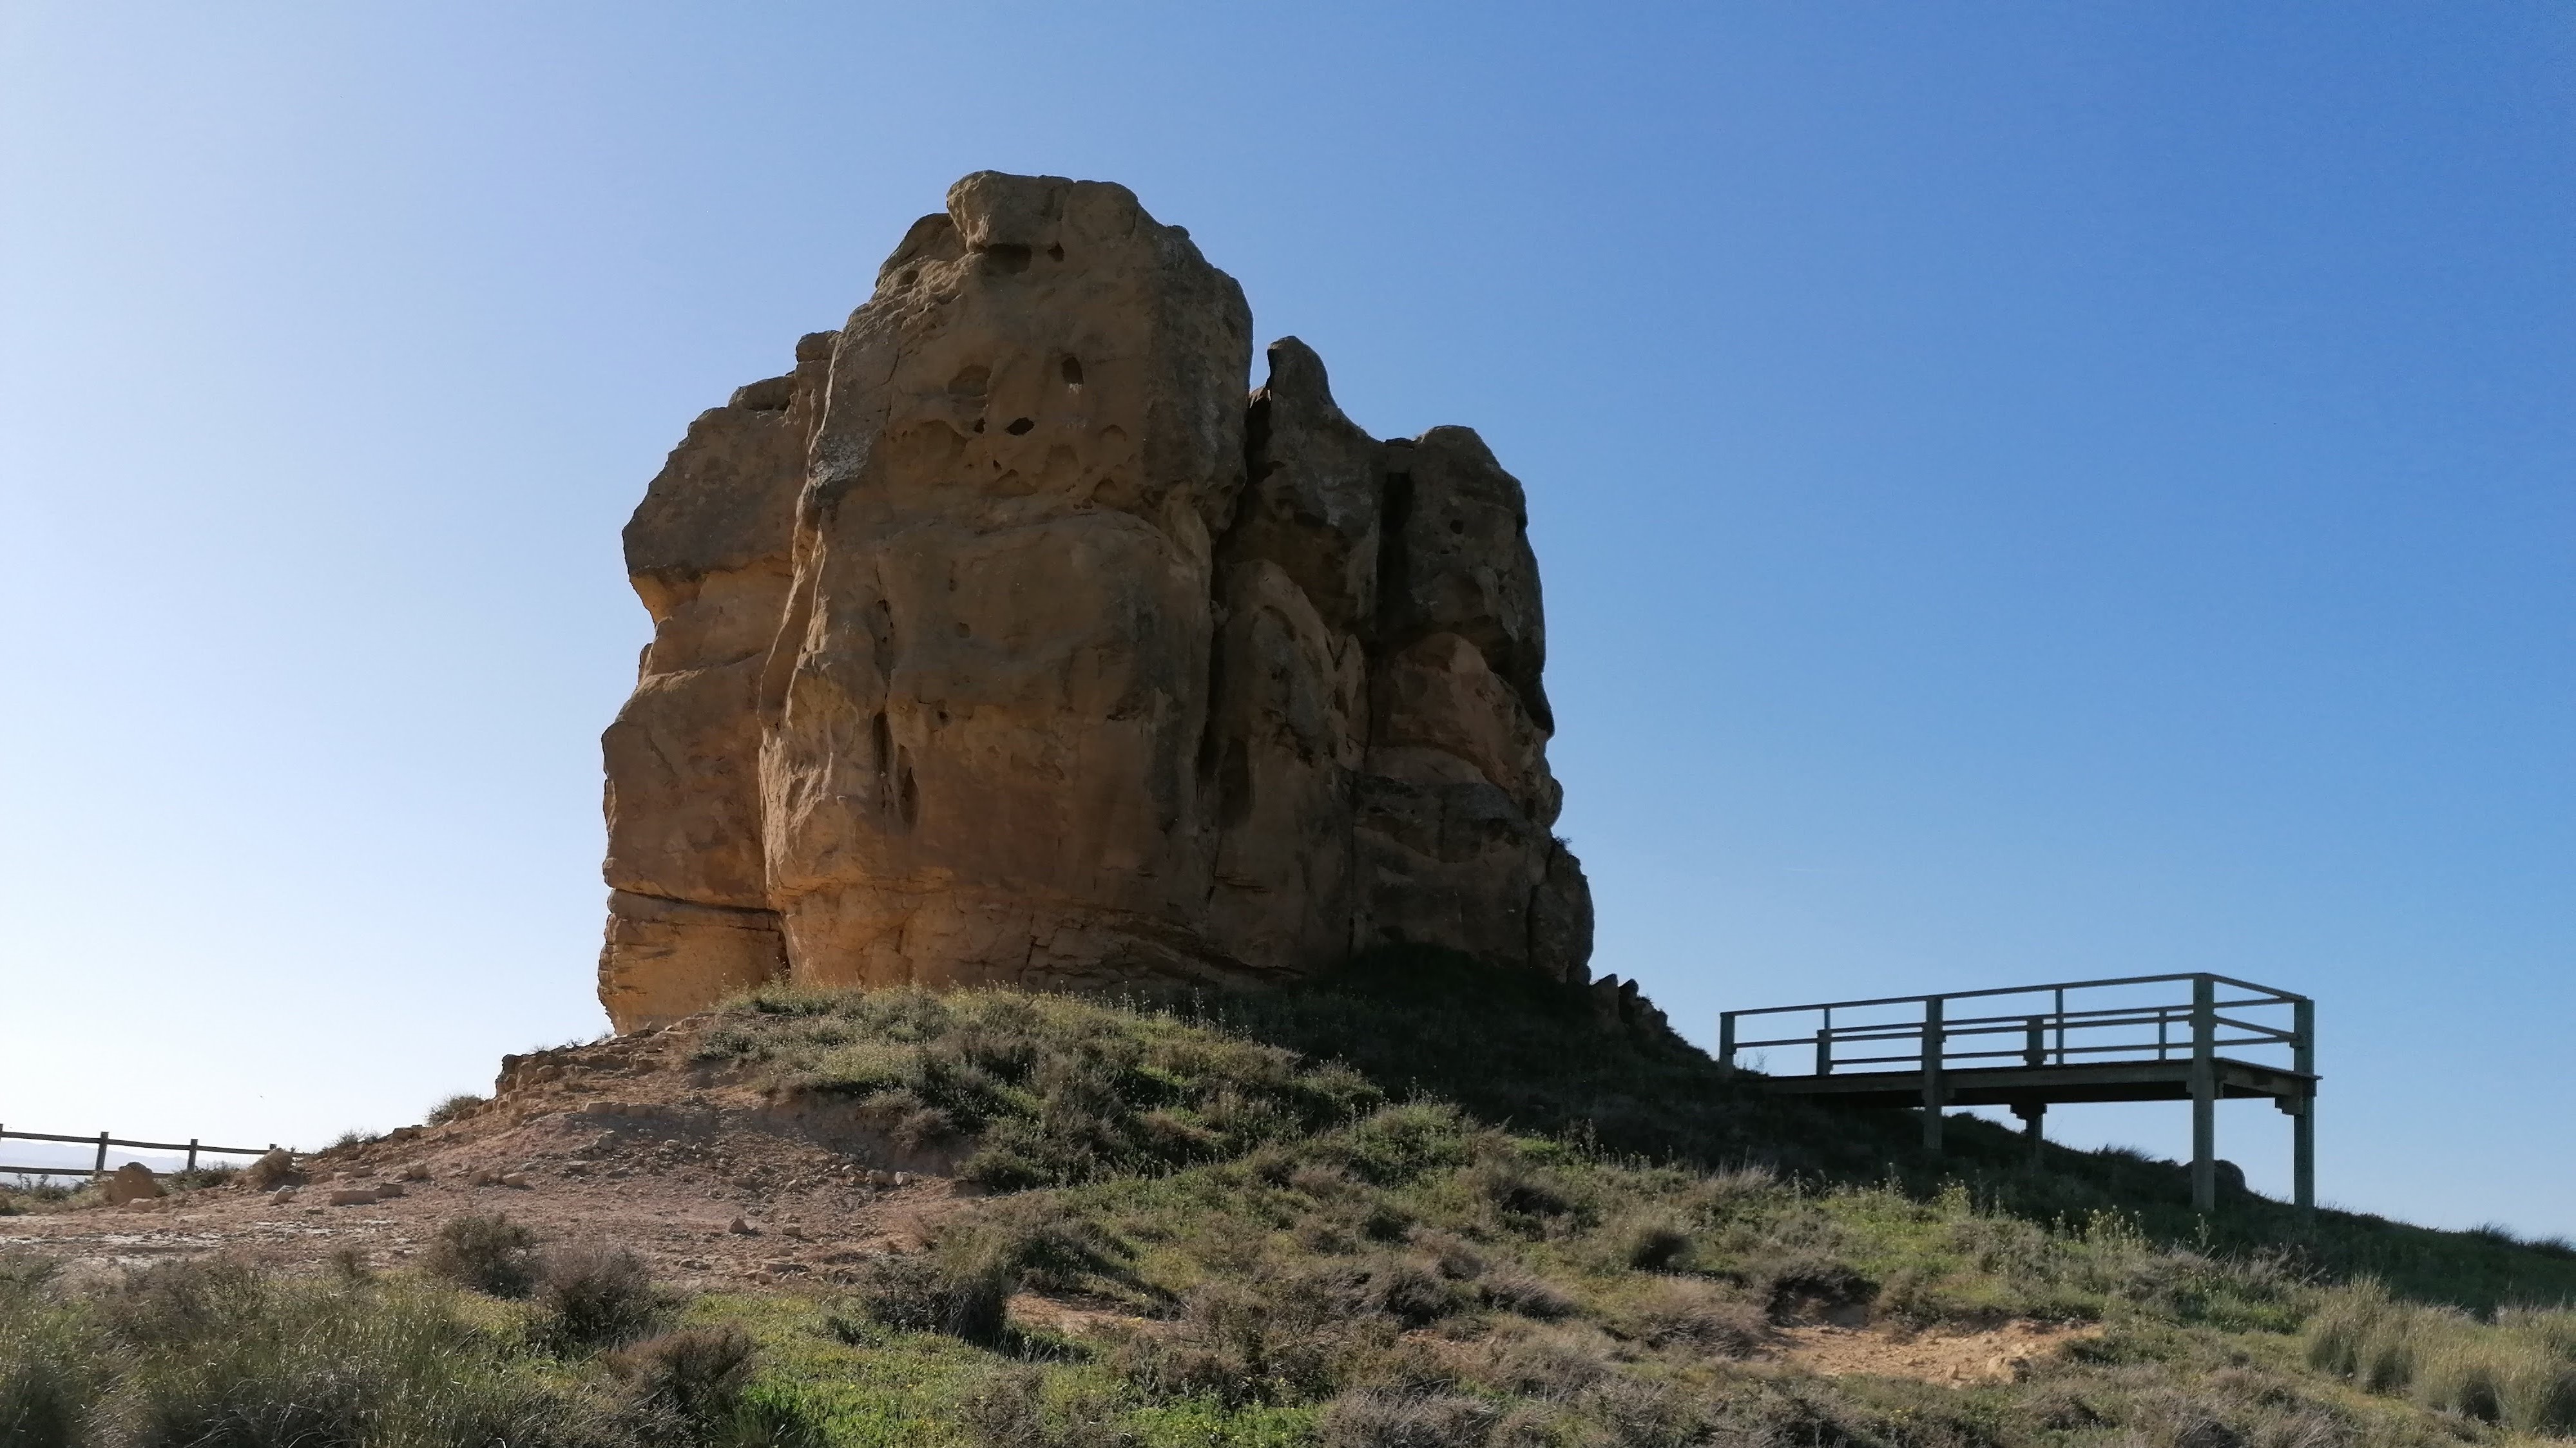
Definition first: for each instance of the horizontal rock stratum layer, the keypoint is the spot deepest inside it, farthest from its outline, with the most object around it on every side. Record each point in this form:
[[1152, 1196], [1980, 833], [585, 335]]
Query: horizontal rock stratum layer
[[1003, 641]]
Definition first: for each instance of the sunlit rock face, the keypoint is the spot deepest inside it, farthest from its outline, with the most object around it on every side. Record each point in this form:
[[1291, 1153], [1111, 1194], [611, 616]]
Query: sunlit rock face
[[1004, 642]]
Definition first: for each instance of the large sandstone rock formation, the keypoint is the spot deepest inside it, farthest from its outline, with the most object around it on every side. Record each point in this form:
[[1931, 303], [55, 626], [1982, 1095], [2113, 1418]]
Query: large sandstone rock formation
[[1002, 642]]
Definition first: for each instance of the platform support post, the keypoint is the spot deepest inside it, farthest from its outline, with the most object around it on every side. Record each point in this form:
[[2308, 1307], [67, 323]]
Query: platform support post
[[2031, 1113], [98, 1168], [2303, 1125], [2204, 1094], [1726, 1043], [1932, 1092]]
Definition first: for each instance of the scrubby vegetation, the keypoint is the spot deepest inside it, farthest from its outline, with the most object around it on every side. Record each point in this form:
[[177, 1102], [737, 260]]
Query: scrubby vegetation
[[1416, 1207], [1401, 1210], [1040, 1091], [484, 1252], [2518, 1369], [1048, 1090], [454, 1108], [211, 1354]]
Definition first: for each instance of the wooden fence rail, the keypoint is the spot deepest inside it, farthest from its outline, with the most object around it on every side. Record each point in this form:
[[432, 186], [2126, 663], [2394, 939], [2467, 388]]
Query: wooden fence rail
[[98, 1165]]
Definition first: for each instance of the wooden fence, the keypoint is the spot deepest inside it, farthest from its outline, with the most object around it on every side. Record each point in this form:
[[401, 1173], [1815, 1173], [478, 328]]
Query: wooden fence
[[98, 1165]]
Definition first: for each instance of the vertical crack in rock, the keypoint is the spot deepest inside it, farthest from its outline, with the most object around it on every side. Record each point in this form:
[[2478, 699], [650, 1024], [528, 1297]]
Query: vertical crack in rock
[[1003, 642]]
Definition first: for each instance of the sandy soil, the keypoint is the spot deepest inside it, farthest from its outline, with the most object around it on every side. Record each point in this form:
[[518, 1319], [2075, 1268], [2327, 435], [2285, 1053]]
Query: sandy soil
[[1951, 1357]]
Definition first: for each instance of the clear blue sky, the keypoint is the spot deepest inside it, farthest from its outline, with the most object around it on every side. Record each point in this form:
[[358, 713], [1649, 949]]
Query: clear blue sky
[[2025, 491]]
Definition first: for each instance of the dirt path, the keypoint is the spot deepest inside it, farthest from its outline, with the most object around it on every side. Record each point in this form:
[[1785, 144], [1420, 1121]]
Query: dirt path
[[624, 1142]]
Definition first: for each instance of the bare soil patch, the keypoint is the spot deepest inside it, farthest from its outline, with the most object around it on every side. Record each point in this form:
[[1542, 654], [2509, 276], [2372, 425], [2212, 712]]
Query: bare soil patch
[[626, 1142], [1951, 1357]]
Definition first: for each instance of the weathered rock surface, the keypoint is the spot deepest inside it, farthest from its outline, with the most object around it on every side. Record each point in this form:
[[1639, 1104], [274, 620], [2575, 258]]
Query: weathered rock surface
[[132, 1182], [1002, 642]]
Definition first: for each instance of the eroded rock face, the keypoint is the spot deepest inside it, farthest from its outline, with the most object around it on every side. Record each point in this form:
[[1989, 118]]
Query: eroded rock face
[[1002, 642]]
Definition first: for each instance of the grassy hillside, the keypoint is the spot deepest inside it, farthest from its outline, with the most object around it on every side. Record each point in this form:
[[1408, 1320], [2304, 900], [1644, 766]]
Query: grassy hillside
[[1418, 1206]]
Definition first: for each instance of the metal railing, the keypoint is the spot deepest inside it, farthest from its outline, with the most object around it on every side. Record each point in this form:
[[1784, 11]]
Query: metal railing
[[98, 1164], [2048, 1032]]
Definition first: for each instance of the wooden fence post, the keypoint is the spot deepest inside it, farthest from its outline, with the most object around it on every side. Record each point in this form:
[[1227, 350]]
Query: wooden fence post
[[98, 1168], [2303, 1126], [1932, 1092], [2204, 1094]]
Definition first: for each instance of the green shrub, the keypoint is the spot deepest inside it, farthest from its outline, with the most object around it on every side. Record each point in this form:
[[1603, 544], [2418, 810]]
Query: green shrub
[[1653, 1244], [590, 1297], [1517, 1290], [455, 1108], [1629, 1411], [1237, 1344], [1553, 1363], [23, 1271], [276, 1169], [926, 1294], [486, 1252], [2359, 1333], [1374, 1418], [2519, 1371], [1523, 1193], [183, 1300], [201, 1178], [1700, 1316], [1011, 1411], [50, 1373], [693, 1378], [220, 1356]]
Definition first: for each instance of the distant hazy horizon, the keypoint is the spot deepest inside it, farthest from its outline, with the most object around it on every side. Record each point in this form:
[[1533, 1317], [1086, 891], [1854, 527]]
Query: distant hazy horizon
[[2023, 491]]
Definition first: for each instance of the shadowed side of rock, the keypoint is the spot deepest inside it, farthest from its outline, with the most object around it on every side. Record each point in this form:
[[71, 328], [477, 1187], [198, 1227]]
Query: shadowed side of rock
[[1003, 642], [708, 550]]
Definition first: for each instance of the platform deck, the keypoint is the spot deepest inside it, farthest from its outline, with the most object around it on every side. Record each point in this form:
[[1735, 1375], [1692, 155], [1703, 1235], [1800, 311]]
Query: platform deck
[[2138, 1038]]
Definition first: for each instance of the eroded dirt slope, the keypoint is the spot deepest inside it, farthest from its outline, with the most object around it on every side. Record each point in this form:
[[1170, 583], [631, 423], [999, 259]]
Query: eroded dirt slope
[[626, 1141]]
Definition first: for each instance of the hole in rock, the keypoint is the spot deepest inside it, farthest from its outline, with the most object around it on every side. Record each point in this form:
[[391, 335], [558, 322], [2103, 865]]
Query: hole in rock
[[907, 795], [1011, 258], [971, 381], [1457, 525], [883, 739], [1020, 425], [1056, 252], [979, 424], [1072, 371]]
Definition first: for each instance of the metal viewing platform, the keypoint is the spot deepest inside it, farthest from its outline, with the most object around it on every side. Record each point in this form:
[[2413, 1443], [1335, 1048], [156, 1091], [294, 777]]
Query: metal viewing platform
[[2137, 1038]]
